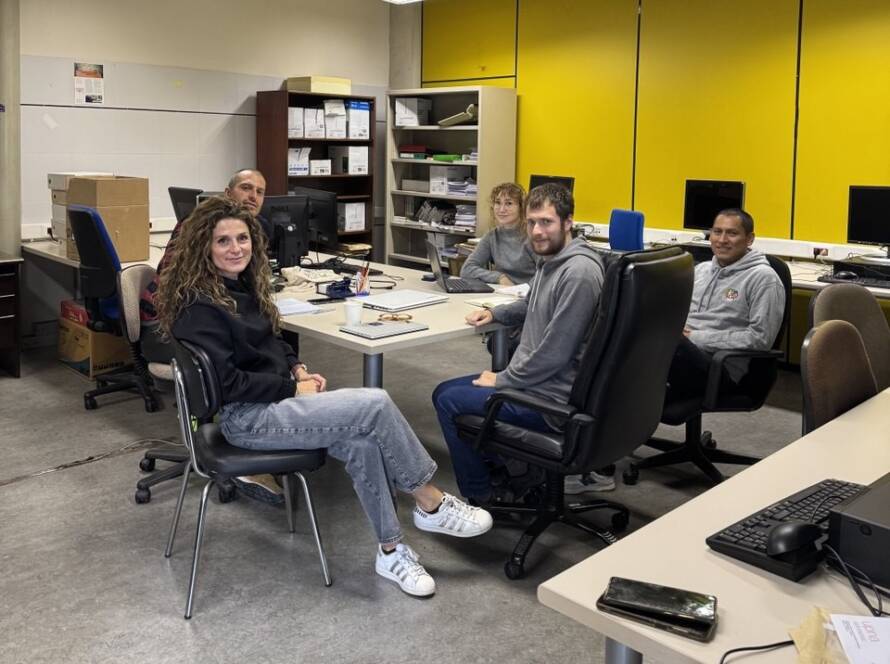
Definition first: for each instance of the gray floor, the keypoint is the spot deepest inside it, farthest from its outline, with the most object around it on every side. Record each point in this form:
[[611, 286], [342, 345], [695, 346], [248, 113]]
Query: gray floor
[[83, 576]]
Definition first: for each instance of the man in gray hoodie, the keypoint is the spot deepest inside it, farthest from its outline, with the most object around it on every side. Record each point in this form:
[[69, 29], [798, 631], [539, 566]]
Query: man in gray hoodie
[[556, 320], [738, 301]]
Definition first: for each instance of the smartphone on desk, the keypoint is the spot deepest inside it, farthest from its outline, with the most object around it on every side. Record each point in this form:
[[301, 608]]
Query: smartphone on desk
[[682, 612]]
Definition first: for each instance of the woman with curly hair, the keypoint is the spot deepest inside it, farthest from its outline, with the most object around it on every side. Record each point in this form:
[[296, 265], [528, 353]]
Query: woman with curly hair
[[215, 294], [503, 256]]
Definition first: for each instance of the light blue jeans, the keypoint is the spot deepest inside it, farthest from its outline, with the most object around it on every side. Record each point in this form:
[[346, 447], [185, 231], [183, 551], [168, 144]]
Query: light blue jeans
[[363, 428]]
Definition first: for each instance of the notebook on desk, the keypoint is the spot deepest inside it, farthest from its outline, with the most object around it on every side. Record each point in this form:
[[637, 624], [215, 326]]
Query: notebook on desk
[[400, 300]]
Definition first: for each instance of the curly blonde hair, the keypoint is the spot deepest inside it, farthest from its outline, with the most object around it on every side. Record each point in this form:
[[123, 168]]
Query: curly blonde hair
[[191, 274], [512, 191]]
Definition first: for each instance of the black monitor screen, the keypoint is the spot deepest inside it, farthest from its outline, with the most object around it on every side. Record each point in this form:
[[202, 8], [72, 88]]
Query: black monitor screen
[[287, 216], [869, 215], [184, 201], [705, 198], [322, 217], [562, 180]]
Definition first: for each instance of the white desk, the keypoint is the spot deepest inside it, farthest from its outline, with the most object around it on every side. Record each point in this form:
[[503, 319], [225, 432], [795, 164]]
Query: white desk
[[55, 251], [445, 320], [754, 606]]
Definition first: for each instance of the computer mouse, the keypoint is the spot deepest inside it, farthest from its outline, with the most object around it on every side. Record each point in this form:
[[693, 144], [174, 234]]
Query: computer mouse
[[428, 276], [791, 536], [845, 274]]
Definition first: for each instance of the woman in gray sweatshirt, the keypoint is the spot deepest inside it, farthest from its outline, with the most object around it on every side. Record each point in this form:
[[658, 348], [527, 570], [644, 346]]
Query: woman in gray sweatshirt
[[503, 256]]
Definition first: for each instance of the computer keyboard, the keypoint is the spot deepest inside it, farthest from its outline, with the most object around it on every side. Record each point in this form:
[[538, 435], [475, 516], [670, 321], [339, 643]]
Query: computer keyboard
[[868, 282], [458, 285], [746, 540], [349, 268]]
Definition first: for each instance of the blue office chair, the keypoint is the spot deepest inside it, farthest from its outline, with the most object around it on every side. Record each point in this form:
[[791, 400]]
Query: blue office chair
[[626, 230], [99, 277]]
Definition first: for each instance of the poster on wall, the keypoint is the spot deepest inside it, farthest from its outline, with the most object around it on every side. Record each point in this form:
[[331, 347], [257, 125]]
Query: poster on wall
[[89, 84]]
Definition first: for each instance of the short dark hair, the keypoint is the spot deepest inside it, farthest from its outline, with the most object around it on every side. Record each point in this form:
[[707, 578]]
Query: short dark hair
[[746, 219], [239, 175], [558, 196]]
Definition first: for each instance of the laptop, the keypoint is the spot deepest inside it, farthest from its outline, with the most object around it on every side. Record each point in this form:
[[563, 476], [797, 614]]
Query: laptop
[[383, 329], [400, 300], [453, 284]]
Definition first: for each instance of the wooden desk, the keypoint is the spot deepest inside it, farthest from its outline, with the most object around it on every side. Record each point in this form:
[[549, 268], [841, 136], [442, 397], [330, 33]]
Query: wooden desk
[[445, 320], [754, 606]]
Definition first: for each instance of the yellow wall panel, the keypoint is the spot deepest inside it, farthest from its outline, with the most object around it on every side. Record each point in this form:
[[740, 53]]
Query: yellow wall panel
[[575, 80], [716, 101], [844, 128], [505, 82], [468, 39]]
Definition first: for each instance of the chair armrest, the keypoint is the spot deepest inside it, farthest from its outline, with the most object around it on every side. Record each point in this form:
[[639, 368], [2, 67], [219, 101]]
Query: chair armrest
[[544, 406], [718, 360]]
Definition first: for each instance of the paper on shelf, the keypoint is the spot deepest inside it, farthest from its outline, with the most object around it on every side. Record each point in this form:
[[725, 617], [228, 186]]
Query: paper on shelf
[[293, 306], [334, 118], [519, 290]]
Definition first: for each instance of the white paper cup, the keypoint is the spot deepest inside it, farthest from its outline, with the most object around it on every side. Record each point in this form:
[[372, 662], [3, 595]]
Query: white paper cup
[[353, 311]]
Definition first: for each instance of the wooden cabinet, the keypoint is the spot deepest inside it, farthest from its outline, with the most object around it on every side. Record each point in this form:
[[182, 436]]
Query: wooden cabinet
[[272, 145], [10, 323], [491, 140]]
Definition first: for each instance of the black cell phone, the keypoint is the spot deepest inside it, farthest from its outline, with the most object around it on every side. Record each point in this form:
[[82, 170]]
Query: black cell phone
[[682, 612]]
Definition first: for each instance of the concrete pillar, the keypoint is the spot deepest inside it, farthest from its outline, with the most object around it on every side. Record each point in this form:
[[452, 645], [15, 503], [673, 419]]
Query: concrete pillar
[[405, 31], [10, 130]]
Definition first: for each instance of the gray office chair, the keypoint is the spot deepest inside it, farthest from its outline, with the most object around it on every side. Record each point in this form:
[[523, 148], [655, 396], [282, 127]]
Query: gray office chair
[[835, 372], [859, 307], [132, 281]]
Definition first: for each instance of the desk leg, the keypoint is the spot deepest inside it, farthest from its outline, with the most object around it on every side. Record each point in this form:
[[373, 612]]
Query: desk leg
[[499, 342], [373, 370], [618, 653]]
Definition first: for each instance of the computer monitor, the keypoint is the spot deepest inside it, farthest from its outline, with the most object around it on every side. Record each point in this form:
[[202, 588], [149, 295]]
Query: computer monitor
[[321, 218], [562, 180], [868, 220], [184, 201], [705, 198], [288, 219]]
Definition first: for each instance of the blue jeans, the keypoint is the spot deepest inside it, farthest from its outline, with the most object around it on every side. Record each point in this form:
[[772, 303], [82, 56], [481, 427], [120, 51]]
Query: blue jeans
[[458, 397], [363, 428]]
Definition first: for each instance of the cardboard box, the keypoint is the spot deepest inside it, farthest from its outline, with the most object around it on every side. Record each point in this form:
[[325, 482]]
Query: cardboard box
[[59, 181], [127, 226], [103, 192], [359, 118], [351, 216], [330, 84], [334, 118], [60, 230], [412, 111], [313, 122], [122, 202], [349, 159], [60, 213], [295, 122], [59, 196], [298, 161], [91, 353], [74, 310]]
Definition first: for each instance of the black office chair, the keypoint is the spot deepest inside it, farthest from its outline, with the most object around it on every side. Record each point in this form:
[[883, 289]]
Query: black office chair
[[198, 399], [99, 279], [184, 201], [721, 396], [616, 399]]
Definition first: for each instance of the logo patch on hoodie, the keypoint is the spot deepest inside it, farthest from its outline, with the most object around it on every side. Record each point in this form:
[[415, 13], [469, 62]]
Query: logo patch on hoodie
[[731, 294]]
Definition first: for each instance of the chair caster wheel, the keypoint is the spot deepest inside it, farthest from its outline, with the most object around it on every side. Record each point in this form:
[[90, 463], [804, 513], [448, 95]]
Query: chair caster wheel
[[631, 475], [227, 493], [89, 403], [143, 496], [146, 465], [151, 406], [513, 570], [619, 521], [708, 441]]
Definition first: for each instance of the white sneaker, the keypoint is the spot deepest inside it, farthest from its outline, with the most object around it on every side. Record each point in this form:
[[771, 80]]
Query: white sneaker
[[454, 517], [576, 484], [403, 567]]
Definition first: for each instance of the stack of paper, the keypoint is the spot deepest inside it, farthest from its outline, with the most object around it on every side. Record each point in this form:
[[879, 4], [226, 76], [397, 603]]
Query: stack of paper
[[465, 216], [292, 307], [462, 187]]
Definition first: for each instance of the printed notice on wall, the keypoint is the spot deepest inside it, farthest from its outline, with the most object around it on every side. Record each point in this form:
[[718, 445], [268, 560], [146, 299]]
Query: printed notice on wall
[[89, 84]]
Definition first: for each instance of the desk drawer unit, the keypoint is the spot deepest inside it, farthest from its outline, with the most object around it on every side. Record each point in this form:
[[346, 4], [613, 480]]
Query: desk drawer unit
[[10, 340]]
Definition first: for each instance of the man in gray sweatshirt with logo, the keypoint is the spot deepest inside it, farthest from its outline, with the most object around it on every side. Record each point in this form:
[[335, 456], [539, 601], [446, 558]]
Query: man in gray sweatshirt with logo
[[737, 302], [556, 321]]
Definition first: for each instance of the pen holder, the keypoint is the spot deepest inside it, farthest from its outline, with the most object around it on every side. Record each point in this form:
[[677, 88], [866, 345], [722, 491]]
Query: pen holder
[[362, 283]]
